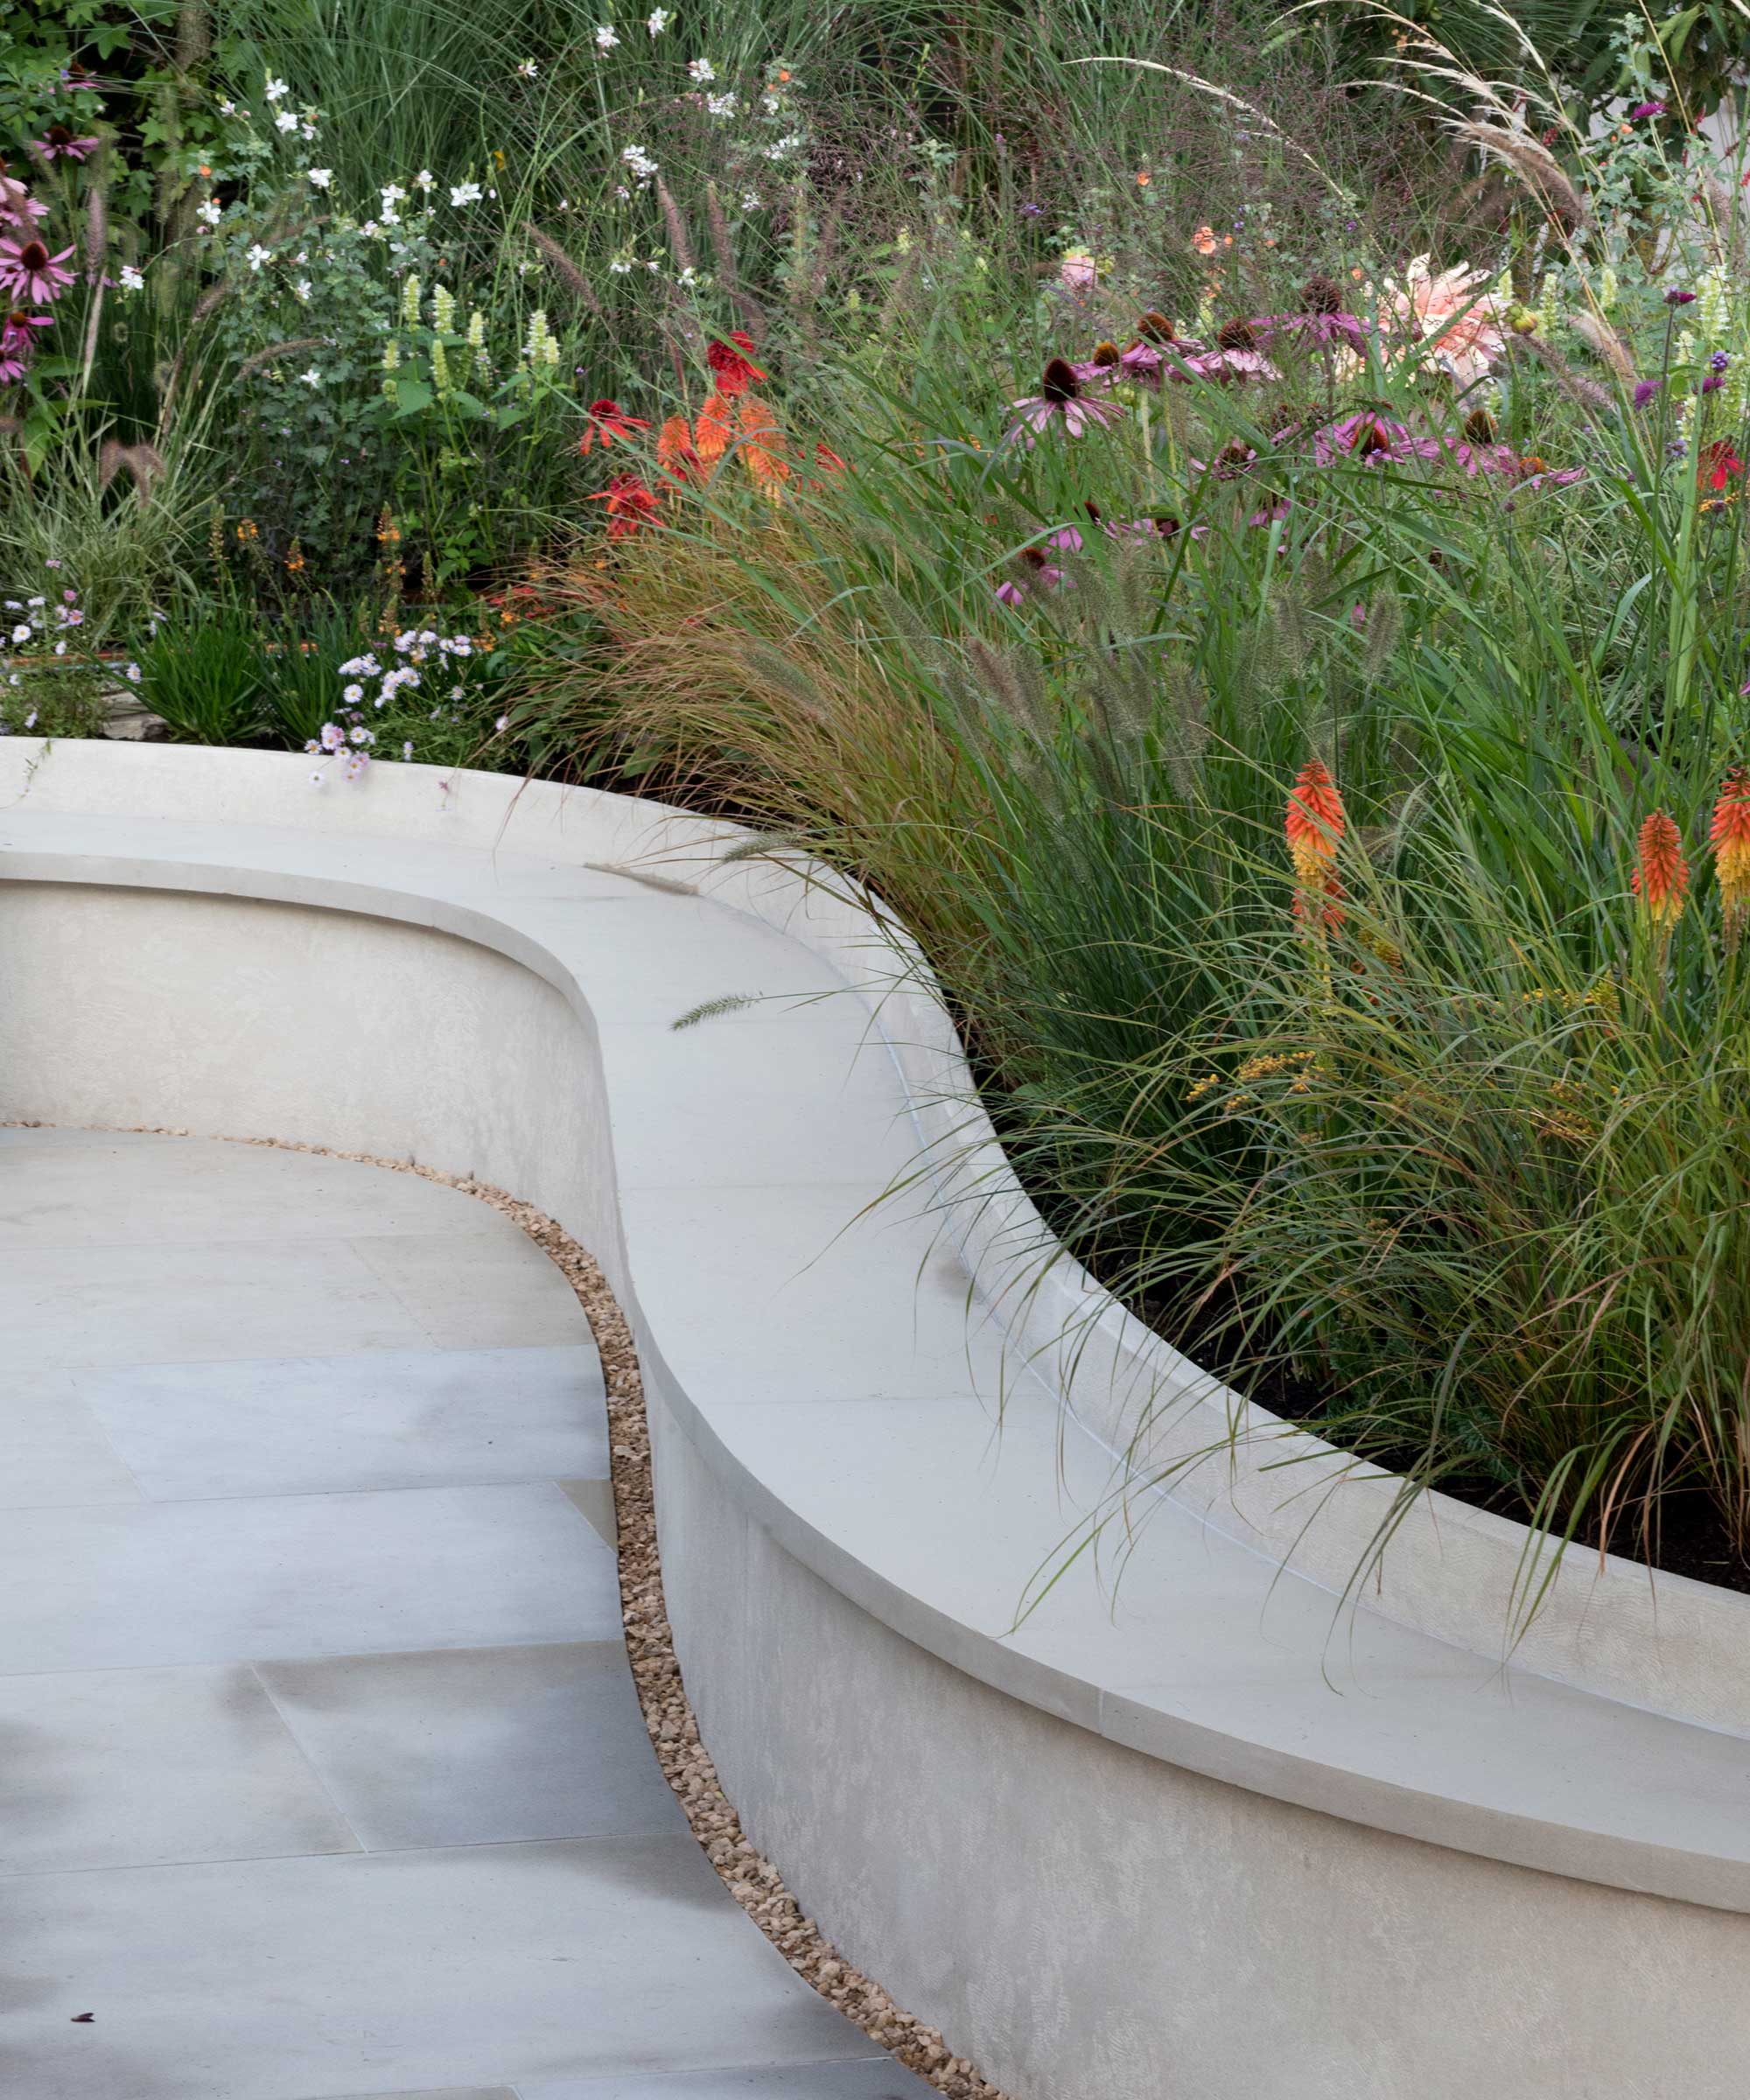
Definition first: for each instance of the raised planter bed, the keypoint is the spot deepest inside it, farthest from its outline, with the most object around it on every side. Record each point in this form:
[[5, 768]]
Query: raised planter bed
[[1206, 1835]]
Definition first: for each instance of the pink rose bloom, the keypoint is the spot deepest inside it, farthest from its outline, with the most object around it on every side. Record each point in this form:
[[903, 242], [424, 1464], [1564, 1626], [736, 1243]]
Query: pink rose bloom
[[1453, 311]]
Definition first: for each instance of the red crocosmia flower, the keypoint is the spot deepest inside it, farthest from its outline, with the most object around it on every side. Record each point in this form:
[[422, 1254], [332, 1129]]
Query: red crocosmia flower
[[630, 506], [607, 421], [732, 369], [1719, 462]]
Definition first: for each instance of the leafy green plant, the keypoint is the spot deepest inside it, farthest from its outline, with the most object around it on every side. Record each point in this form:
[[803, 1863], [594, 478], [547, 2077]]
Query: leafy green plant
[[207, 677]]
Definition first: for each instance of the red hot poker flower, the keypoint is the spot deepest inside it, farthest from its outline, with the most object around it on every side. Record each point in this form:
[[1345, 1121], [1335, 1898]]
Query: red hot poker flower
[[607, 421], [733, 371], [1661, 875], [1314, 823], [1729, 834]]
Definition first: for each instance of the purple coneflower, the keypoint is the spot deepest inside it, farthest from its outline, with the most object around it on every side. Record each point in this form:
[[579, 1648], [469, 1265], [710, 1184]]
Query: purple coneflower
[[17, 208], [57, 143], [28, 272], [1060, 397]]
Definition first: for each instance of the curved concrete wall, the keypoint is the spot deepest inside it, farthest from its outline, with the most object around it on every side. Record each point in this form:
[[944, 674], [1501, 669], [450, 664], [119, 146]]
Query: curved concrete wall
[[1177, 1841]]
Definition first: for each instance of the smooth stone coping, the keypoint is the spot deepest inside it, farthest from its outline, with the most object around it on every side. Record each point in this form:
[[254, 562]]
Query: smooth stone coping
[[880, 1386]]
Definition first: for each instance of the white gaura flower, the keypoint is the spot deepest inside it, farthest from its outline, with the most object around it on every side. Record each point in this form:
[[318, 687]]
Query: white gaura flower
[[391, 192], [257, 255], [311, 378], [277, 90], [210, 213], [659, 20], [131, 279], [319, 179], [701, 70], [465, 193], [720, 105], [425, 181], [300, 291], [228, 108], [527, 68], [286, 120], [606, 36]]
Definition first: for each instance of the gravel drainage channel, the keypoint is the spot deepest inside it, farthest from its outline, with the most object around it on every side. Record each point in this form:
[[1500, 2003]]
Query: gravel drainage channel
[[752, 1880]]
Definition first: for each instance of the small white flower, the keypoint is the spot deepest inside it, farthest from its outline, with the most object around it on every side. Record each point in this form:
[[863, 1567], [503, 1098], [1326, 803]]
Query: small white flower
[[425, 181], [353, 694], [61, 648], [750, 201], [606, 36], [277, 90], [228, 108], [21, 633], [620, 266], [257, 255], [131, 279], [391, 192], [687, 277], [371, 230], [301, 290], [502, 723], [333, 736], [527, 68], [30, 719], [361, 735], [465, 193], [286, 120], [210, 213], [132, 674], [659, 20], [701, 70], [320, 178], [407, 749]]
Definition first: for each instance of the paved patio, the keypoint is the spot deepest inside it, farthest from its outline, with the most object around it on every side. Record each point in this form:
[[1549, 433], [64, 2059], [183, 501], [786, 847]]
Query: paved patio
[[324, 1778]]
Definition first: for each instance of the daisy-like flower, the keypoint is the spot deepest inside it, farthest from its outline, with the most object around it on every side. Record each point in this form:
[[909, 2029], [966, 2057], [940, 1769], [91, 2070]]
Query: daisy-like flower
[[353, 694], [631, 505], [1729, 835], [462, 193], [606, 36], [29, 271], [57, 143], [658, 20], [606, 420], [1313, 824], [700, 71], [732, 370], [17, 208], [1060, 399]]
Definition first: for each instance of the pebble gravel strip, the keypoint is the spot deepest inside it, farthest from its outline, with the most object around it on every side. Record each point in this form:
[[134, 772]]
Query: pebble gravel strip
[[749, 1877]]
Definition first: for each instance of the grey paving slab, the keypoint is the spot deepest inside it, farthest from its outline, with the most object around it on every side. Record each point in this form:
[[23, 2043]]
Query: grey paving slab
[[450, 2092], [116, 1194], [301, 1575], [479, 1746], [187, 1301], [52, 1448], [595, 1499], [871, 2078], [386, 1418], [141, 1768], [273, 1979], [503, 1294]]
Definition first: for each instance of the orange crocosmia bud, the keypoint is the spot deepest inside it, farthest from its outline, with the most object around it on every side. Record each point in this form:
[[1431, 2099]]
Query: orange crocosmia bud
[[1661, 875], [714, 429], [1729, 835]]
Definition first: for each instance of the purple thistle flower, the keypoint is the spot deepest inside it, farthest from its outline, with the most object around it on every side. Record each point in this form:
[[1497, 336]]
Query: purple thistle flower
[[1645, 391], [1673, 297], [1643, 109], [1711, 384]]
